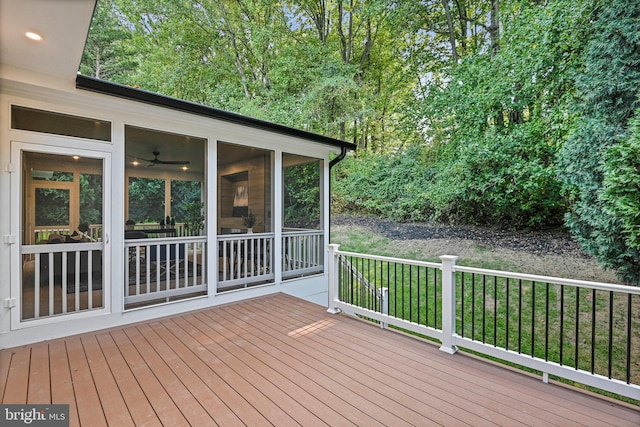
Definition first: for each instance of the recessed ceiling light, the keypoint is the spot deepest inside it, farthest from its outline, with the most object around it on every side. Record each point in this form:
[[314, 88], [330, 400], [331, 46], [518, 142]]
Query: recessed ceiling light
[[33, 36], [184, 168], [75, 157], [135, 163]]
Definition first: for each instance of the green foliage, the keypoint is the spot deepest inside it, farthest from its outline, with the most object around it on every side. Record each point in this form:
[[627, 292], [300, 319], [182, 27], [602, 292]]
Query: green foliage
[[90, 199], [108, 54], [184, 193], [498, 181], [622, 184], [146, 199], [194, 218], [302, 195], [495, 118], [609, 87], [392, 186]]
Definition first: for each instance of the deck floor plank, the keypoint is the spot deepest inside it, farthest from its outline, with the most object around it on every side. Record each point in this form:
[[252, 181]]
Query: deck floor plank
[[137, 402], [516, 388], [62, 391], [89, 408], [181, 395], [377, 362], [232, 356], [5, 363], [180, 359], [283, 370], [113, 405], [278, 360], [489, 405], [234, 375], [365, 393], [164, 407], [211, 370], [39, 378], [17, 385]]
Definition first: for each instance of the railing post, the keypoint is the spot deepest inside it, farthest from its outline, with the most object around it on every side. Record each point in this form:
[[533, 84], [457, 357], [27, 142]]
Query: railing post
[[448, 303], [333, 278], [384, 309]]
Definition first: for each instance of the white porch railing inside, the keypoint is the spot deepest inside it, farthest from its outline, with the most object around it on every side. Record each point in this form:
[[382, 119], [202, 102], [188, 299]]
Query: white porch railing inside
[[582, 331], [245, 260], [56, 279], [302, 252], [163, 269], [42, 233]]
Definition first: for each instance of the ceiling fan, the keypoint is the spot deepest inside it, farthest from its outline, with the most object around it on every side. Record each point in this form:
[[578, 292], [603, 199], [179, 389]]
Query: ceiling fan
[[156, 161]]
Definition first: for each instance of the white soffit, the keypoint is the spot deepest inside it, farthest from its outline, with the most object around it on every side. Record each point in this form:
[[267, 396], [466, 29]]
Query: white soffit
[[63, 25]]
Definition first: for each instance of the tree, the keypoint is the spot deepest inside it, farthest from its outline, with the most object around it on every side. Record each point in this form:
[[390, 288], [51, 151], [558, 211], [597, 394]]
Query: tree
[[609, 87], [107, 54]]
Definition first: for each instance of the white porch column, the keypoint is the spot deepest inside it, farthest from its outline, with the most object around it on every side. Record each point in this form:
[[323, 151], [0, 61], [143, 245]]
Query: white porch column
[[333, 278], [278, 215], [448, 303]]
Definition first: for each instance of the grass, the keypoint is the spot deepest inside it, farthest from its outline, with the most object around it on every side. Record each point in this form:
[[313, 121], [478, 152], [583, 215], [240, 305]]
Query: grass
[[558, 323]]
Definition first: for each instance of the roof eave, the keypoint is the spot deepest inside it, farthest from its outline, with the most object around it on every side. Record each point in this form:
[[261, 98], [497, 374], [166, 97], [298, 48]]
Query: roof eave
[[127, 92]]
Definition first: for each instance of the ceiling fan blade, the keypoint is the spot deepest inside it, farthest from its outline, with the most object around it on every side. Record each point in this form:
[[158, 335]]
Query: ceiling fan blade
[[156, 161], [172, 162]]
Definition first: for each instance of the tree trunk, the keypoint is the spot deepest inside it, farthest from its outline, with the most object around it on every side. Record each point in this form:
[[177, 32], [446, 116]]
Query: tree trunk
[[452, 34], [494, 27]]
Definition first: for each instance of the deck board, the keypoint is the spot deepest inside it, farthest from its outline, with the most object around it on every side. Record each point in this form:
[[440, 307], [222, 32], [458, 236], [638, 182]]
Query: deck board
[[278, 360]]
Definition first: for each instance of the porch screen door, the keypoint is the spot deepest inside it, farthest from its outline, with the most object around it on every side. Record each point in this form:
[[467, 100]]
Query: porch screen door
[[62, 235]]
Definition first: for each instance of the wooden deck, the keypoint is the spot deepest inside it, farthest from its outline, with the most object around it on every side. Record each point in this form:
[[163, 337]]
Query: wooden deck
[[281, 361]]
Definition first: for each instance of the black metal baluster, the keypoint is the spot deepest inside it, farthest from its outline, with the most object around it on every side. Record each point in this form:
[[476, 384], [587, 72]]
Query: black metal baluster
[[418, 290], [593, 330], [495, 311], [462, 298], [473, 306], [506, 345], [484, 308], [435, 298], [395, 288], [577, 334], [410, 292], [610, 361], [533, 318], [519, 315], [561, 323], [628, 376], [426, 295], [546, 324]]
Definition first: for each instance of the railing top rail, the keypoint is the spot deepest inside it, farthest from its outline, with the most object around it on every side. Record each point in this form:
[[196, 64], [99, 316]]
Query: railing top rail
[[163, 240], [391, 259], [301, 231], [507, 274], [243, 236], [552, 280], [61, 247]]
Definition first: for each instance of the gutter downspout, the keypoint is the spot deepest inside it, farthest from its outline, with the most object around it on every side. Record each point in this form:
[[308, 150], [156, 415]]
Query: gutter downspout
[[332, 163]]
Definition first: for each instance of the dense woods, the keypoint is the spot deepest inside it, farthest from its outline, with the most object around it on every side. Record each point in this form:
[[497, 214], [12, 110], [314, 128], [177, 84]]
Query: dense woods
[[509, 113]]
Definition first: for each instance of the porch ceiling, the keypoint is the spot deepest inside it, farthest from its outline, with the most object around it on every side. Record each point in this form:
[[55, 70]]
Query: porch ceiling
[[63, 25]]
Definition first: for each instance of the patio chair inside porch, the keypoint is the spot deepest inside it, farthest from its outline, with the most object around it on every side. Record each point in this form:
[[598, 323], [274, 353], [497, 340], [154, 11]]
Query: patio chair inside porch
[[168, 258]]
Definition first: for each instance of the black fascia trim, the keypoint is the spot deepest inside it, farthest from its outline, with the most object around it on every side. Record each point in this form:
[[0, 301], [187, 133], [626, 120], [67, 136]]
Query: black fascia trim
[[127, 92]]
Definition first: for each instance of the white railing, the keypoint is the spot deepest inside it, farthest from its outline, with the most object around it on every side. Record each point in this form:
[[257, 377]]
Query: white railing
[[245, 260], [95, 232], [585, 332], [42, 233], [302, 253], [177, 229], [162, 269], [56, 278]]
